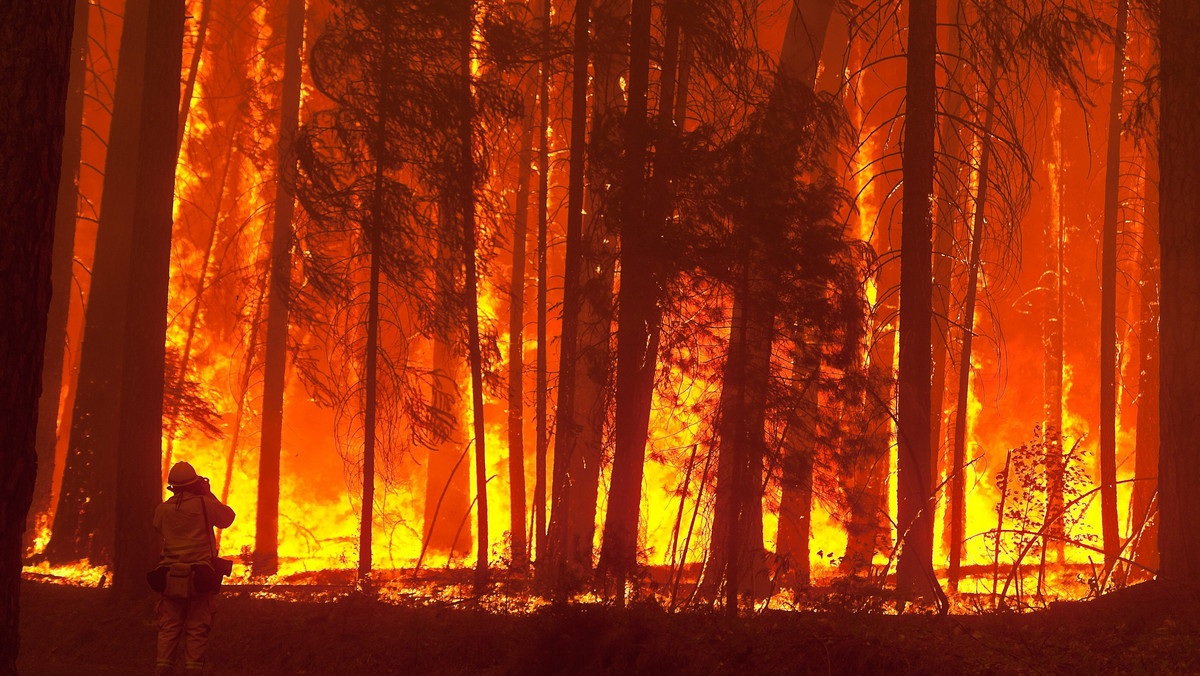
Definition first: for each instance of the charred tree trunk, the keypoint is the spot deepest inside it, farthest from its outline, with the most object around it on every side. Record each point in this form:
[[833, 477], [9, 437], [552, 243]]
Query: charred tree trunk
[[566, 427], [467, 172], [914, 572], [370, 376], [958, 493], [84, 520], [516, 344], [542, 427], [1143, 506], [266, 530], [139, 436], [189, 87], [62, 272], [1110, 526], [36, 63], [637, 300], [1179, 219]]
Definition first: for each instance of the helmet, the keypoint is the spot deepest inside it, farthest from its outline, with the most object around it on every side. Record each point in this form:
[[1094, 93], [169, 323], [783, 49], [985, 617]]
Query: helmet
[[182, 474]]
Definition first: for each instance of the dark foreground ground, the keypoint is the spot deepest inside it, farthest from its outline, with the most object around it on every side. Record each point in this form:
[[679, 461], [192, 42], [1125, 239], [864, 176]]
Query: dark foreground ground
[[1148, 629]]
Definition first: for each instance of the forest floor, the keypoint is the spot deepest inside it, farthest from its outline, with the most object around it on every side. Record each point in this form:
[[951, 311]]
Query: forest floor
[[1148, 628]]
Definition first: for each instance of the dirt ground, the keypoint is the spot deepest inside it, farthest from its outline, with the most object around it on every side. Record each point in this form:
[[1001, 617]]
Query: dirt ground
[[1147, 629]]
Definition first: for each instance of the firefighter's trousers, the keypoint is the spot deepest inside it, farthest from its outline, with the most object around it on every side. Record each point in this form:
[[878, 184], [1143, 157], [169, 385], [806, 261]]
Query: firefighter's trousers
[[186, 621]]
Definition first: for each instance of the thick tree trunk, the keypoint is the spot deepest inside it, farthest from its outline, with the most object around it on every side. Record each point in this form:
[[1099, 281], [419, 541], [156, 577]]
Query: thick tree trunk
[[62, 272], [958, 494], [266, 525], [84, 520], [914, 573], [1179, 219], [566, 437], [1110, 526], [139, 437], [35, 63]]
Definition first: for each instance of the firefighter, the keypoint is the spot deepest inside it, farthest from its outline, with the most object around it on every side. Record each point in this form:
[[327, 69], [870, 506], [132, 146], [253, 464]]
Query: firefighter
[[186, 572]]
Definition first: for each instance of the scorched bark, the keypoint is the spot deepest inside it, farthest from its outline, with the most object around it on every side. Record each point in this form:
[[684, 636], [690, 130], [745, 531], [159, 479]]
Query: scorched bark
[[34, 71]]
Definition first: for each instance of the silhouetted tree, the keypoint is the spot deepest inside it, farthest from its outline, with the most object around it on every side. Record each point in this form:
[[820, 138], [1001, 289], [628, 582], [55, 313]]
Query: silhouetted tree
[[36, 67], [1108, 302], [140, 431], [63, 266], [1179, 191], [266, 538], [83, 522], [914, 573]]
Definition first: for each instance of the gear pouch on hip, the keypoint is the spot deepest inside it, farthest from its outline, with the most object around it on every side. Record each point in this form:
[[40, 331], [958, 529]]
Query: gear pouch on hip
[[180, 581]]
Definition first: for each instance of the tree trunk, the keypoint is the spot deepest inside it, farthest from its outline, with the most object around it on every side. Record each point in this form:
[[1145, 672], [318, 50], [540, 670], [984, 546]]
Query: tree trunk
[[914, 573], [542, 429], [958, 494], [1143, 505], [36, 61], [1179, 325], [140, 430], [84, 519], [370, 377], [266, 525], [566, 432], [189, 87], [467, 173], [618, 558], [516, 343], [63, 266], [1110, 526]]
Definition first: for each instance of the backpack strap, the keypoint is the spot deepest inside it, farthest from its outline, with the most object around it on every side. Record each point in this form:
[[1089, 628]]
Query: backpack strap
[[208, 532]]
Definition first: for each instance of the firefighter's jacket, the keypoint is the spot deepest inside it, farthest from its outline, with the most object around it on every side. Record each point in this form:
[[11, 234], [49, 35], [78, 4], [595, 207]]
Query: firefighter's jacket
[[181, 523]]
